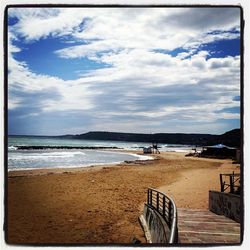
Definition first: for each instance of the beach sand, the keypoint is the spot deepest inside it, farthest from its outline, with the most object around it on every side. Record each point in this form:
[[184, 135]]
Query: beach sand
[[101, 205]]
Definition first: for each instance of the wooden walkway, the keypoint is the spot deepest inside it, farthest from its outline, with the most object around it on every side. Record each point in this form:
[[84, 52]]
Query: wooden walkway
[[204, 227]]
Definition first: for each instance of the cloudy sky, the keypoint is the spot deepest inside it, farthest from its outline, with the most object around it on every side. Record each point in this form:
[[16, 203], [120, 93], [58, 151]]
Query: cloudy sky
[[148, 70]]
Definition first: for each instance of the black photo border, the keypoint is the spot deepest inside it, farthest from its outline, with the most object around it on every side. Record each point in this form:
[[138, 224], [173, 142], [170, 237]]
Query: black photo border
[[5, 30]]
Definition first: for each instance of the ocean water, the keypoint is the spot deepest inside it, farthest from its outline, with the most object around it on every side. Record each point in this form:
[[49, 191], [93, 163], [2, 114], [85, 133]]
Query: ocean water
[[20, 159]]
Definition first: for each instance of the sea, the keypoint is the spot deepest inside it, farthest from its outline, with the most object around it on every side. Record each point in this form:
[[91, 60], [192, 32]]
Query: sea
[[35, 152]]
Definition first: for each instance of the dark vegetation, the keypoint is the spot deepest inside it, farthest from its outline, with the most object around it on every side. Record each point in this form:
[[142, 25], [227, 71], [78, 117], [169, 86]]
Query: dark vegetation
[[231, 138]]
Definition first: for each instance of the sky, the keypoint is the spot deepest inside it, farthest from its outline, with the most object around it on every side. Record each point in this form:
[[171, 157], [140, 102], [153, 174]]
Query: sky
[[137, 70]]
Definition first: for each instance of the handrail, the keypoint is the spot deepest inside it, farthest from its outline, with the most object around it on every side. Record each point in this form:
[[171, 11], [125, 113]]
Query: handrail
[[166, 207], [233, 179]]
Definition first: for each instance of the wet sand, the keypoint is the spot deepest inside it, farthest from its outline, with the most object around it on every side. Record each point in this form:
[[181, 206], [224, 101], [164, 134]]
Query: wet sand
[[101, 205]]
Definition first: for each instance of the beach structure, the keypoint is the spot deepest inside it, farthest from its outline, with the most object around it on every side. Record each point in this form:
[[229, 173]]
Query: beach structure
[[147, 150], [204, 227], [230, 183], [219, 151], [155, 148], [159, 219], [218, 225], [227, 201], [151, 149]]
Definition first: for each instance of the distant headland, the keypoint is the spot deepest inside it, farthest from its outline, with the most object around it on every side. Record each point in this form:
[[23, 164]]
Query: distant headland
[[231, 138]]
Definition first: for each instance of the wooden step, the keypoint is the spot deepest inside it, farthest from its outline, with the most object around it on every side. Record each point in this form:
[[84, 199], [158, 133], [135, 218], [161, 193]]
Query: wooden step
[[204, 227]]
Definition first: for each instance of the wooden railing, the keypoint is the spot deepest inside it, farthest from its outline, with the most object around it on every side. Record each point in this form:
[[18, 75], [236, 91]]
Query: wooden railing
[[230, 183], [166, 207]]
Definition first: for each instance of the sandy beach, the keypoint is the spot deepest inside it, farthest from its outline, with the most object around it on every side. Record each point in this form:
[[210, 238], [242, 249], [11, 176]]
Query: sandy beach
[[101, 205]]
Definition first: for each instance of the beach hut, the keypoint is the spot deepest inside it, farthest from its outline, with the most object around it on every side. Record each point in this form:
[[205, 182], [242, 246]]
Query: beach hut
[[219, 151]]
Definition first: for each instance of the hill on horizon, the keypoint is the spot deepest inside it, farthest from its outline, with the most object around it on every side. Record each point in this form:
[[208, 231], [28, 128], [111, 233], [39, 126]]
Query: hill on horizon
[[230, 138]]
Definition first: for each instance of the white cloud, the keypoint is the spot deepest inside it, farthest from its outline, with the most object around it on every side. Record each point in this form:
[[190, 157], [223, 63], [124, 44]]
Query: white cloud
[[13, 103], [36, 23], [131, 42], [71, 95], [114, 28], [203, 19]]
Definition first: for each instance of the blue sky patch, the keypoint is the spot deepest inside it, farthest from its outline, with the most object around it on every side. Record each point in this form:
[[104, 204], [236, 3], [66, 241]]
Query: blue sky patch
[[233, 110], [12, 21], [222, 48], [41, 59], [173, 53]]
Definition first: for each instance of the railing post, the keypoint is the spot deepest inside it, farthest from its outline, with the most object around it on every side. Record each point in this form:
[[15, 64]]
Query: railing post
[[221, 184], [148, 197], [163, 205], [169, 212], [151, 197], [157, 201], [231, 184]]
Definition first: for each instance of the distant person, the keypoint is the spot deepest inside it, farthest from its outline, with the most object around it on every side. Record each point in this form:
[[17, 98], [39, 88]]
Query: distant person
[[155, 148]]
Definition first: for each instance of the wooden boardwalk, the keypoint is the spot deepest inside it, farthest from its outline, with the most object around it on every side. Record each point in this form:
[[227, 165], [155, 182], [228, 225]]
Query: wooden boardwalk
[[204, 227]]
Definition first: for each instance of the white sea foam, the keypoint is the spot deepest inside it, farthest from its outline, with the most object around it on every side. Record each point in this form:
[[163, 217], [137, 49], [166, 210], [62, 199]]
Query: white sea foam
[[44, 155], [66, 167], [140, 157], [28, 159], [143, 157], [182, 150], [12, 148], [32, 159]]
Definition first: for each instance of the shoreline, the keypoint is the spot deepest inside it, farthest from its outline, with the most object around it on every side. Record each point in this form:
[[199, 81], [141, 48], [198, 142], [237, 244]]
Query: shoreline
[[38, 171], [101, 205]]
